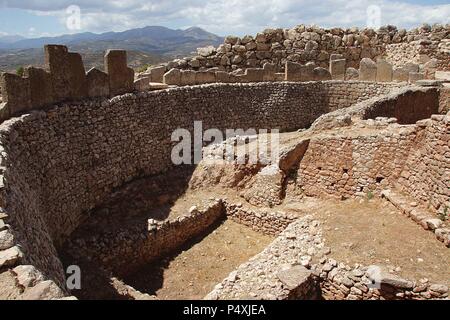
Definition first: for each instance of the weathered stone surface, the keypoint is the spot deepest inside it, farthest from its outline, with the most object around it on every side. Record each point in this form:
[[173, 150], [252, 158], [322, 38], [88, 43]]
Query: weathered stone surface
[[9, 290], [222, 76], [142, 84], [294, 277], [41, 87], [440, 288], [121, 78], [157, 74], [205, 77], [269, 71], [6, 240], [293, 71], [254, 75], [380, 276], [44, 290], [321, 74], [67, 73], [298, 72], [172, 77], [188, 77], [77, 76], [206, 51], [27, 275], [401, 75], [337, 69], [433, 224], [351, 74], [98, 83], [367, 70], [384, 71], [10, 257], [15, 93], [157, 86], [416, 76], [57, 62]]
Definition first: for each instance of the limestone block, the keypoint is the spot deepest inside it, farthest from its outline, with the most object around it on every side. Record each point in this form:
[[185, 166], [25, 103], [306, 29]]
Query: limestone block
[[206, 51], [280, 76], [77, 76], [205, 77], [67, 73], [157, 86], [415, 76], [188, 77], [337, 69], [222, 76], [293, 71], [27, 275], [44, 290], [41, 88], [269, 71], [6, 239], [57, 62], [10, 257], [307, 72], [121, 78], [254, 74], [411, 67], [97, 83], [351, 74], [157, 73], [172, 77], [15, 93], [367, 70], [142, 84], [384, 71], [321, 74], [295, 277], [400, 74]]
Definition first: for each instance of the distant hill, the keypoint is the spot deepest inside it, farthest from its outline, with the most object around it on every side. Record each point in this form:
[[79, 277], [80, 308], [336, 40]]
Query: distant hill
[[146, 45]]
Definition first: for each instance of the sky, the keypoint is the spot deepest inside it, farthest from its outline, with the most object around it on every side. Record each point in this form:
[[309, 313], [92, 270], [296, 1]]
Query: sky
[[36, 18]]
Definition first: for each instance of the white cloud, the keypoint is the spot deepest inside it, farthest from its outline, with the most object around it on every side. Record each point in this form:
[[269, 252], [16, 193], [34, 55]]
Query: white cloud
[[235, 16]]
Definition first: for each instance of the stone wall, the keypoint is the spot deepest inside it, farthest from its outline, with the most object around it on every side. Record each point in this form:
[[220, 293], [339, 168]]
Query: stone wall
[[314, 44], [412, 157], [343, 166], [407, 105], [63, 79], [426, 174], [60, 163], [123, 252]]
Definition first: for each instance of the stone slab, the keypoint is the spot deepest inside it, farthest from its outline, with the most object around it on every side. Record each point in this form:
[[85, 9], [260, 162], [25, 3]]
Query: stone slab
[[97, 83], [121, 78]]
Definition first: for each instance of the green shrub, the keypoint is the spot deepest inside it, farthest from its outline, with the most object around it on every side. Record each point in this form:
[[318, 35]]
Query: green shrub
[[20, 71]]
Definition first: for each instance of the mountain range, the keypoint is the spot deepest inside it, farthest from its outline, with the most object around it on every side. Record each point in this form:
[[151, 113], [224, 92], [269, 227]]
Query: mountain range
[[146, 45]]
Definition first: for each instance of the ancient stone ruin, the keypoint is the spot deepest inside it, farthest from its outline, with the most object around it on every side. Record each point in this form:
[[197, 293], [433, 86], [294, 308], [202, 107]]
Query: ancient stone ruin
[[354, 206]]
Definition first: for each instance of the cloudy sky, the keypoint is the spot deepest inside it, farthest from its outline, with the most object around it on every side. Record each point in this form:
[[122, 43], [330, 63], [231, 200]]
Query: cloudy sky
[[33, 18]]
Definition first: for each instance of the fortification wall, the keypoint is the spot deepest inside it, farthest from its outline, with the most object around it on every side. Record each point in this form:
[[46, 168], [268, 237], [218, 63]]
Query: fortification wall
[[312, 43], [60, 163]]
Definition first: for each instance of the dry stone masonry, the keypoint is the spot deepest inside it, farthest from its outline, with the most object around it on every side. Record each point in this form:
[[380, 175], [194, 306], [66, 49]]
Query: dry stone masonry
[[360, 114]]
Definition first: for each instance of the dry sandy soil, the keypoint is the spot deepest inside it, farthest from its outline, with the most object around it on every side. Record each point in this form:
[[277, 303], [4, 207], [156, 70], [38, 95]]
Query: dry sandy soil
[[375, 232], [192, 273]]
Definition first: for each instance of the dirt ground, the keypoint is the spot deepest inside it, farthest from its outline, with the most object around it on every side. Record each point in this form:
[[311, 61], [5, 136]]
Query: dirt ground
[[375, 232], [193, 273]]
